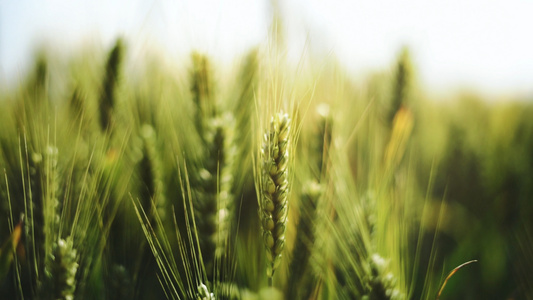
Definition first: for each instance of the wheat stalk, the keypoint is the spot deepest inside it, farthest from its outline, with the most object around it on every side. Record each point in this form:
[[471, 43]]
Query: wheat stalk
[[150, 169], [402, 84], [274, 189], [213, 184], [108, 96], [201, 89], [62, 267], [304, 244], [300, 279], [381, 283], [42, 210], [204, 294], [213, 204]]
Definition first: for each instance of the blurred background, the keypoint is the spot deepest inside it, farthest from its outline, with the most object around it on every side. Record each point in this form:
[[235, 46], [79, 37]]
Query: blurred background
[[469, 84], [481, 45]]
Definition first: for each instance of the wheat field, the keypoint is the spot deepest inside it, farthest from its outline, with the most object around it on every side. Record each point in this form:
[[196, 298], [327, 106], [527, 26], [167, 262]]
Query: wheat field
[[266, 180]]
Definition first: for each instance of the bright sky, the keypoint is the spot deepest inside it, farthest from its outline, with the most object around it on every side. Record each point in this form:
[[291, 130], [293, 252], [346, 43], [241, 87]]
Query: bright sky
[[481, 44]]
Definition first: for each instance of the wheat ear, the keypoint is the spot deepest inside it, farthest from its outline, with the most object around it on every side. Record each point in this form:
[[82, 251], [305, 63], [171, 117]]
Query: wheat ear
[[213, 202], [204, 293], [274, 188], [381, 283], [62, 269], [402, 82], [151, 172], [107, 99], [303, 247], [301, 279]]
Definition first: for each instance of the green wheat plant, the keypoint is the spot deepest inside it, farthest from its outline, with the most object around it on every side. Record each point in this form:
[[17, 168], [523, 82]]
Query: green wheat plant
[[265, 179]]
